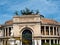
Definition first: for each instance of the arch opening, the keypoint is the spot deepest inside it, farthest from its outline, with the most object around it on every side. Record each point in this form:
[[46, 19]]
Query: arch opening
[[26, 37]]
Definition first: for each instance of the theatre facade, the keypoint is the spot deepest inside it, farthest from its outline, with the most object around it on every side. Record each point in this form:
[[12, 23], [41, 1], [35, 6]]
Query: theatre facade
[[30, 30]]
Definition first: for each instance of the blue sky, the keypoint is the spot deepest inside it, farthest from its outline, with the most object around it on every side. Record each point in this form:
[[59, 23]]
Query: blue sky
[[48, 8]]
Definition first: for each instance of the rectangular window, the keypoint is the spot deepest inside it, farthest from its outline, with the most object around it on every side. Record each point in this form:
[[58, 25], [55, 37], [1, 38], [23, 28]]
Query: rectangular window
[[47, 30], [54, 30], [42, 30], [57, 31], [51, 30], [9, 31], [6, 31]]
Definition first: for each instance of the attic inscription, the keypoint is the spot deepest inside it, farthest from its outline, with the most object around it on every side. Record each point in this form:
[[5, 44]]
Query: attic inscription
[[27, 19]]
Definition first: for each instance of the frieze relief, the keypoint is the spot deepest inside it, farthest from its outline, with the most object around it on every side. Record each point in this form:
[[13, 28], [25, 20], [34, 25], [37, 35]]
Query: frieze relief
[[27, 19], [23, 26]]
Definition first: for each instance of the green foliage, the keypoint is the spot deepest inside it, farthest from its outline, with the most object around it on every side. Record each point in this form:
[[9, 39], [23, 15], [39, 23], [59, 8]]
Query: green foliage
[[55, 44], [51, 44], [46, 44]]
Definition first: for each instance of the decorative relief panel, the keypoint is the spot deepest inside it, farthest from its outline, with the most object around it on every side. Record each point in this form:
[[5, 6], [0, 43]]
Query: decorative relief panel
[[23, 26], [26, 19]]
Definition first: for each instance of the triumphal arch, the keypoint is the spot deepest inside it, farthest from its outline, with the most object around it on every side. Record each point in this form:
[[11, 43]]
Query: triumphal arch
[[28, 29]]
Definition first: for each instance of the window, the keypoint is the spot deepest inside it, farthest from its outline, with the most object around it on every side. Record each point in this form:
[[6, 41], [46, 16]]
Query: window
[[47, 30], [42, 30], [9, 31], [6, 32], [54, 30], [51, 30]]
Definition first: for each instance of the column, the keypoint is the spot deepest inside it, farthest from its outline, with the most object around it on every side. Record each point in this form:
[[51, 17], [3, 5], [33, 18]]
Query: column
[[20, 42], [53, 30], [35, 42], [0, 41], [4, 42], [39, 42], [56, 30], [5, 31], [50, 41], [45, 29], [49, 30], [45, 40], [57, 41], [54, 41]]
